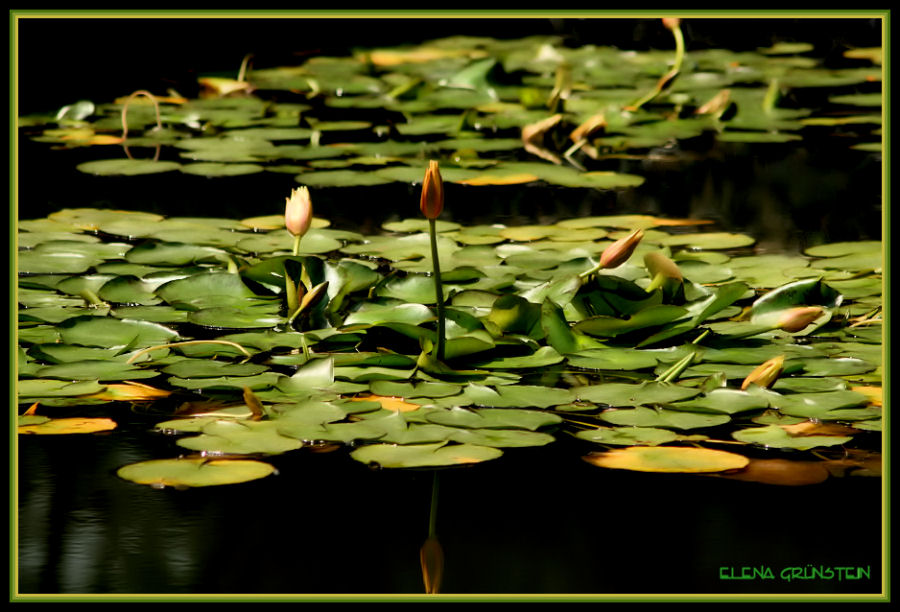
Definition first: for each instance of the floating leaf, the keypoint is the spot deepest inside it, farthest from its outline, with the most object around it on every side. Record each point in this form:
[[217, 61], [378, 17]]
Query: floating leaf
[[777, 436], [628, 436], [668, 459], [71, 425], [642, 416], [424, 455], [127, 167], [194, 472]]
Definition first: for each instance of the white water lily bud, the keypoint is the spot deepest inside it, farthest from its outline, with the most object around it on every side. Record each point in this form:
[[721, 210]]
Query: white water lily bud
[[298, 212]]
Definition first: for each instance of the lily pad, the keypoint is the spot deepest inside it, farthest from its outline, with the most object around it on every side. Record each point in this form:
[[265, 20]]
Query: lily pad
[[424, 455], [194, 472], [669, 459]]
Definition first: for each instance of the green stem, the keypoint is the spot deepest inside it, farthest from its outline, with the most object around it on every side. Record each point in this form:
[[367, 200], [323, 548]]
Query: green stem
[[438, 290], [679, 48], [666, 79], [768, 103], [290, 294], [297, 244]]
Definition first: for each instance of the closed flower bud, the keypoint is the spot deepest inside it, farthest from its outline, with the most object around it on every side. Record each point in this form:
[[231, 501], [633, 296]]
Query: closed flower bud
[[765, 374], [671, 22], [432, 202], [795, 319], [619, 251], [298, 212]]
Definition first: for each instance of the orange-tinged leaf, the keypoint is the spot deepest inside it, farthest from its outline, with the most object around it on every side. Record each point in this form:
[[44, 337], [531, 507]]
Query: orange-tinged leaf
[[671, 459], [533, 132], [33, 409], [72, 425], [160, 99], [223, 87], [660, 222], [253, 403], [813, 428], [91, 138], [588, 127], [130, 392], [874, 394], [419, 55], [394, 404], [781, 472], [493, 179]]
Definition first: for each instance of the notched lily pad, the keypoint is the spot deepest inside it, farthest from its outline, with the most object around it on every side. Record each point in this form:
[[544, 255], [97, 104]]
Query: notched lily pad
[[194, 472]]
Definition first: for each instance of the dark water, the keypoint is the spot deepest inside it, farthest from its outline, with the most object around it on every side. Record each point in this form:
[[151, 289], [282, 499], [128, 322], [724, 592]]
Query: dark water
[[536, 520]]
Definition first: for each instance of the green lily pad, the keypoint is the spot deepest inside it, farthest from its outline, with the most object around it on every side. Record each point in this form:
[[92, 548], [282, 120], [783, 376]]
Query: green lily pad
[[628, 436], [776, 436], [108, 332], [194, 472], [127, 167], [205, 368], [33, 389], [241, 437], [642, 416], [95, 370], [424, 455], [493, 418]]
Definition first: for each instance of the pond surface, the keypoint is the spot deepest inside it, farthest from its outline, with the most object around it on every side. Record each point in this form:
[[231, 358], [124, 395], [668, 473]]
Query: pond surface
[[538, 520]]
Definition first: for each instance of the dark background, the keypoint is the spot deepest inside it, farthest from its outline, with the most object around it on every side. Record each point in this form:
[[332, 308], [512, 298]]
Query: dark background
[[62, 60]]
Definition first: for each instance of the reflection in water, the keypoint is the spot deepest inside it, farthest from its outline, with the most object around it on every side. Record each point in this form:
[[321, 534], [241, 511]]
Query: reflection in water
[[535, 521]]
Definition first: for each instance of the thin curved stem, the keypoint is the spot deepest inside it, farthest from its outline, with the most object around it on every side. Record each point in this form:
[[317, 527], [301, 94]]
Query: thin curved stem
[[140, 92]]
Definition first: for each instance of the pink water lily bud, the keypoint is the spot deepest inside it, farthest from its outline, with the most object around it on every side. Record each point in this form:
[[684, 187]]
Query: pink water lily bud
[[432, 202], [796, 319], [619, 251], [298, 212], [765, 374]]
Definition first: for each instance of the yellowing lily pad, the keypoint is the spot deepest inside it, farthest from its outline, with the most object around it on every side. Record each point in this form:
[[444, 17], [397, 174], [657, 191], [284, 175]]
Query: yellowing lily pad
[[71, 425], [501, 179], [668, 459], [394, 404]]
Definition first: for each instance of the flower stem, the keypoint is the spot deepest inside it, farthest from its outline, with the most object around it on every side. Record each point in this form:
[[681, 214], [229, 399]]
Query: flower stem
[[438, 290], [297, 244], [432, 514]]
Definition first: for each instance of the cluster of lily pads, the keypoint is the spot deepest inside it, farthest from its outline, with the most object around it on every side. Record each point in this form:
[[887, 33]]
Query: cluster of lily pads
[[686, 357], [496, 110], [652, 360]]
